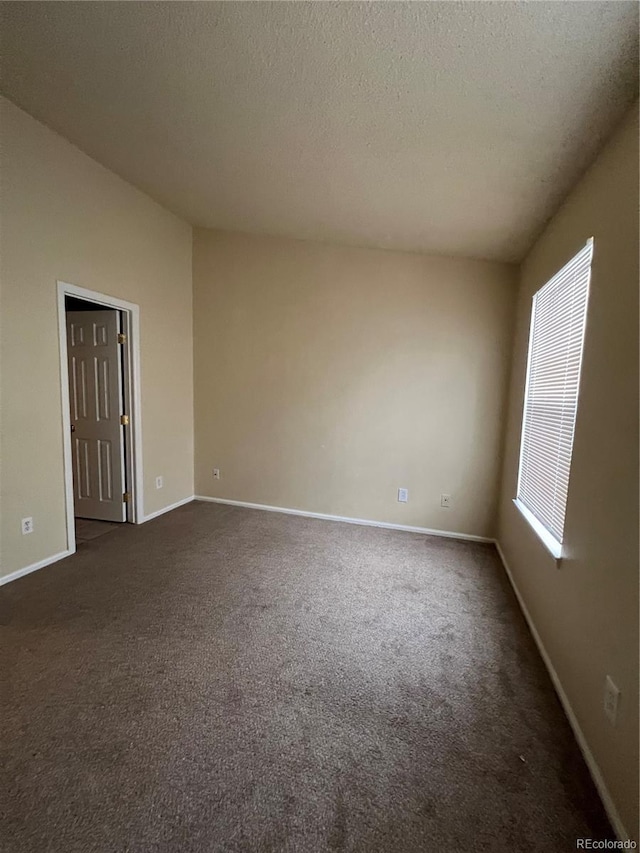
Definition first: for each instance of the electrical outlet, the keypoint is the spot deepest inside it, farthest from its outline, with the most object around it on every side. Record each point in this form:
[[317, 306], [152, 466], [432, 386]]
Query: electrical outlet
[[216, 473], [159, 482], [27, 526], [403, 495], [611, 699], [445, 500]]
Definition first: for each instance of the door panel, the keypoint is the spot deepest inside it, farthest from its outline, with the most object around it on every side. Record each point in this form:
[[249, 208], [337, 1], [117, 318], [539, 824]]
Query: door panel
[[95, 394]]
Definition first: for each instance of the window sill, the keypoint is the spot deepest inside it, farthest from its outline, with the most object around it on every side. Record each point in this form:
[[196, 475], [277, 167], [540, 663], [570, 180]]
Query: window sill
[[552, 546]]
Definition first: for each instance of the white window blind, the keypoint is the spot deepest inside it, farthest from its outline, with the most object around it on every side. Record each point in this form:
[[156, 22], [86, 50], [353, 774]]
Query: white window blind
[[551, 395]]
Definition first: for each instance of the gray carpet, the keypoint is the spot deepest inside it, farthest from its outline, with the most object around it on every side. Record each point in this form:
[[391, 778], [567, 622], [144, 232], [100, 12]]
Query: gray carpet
[[223, 679]]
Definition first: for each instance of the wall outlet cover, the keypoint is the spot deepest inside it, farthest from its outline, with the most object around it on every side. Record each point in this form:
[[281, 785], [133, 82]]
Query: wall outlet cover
[[216, 473], [445, 500], [27, 526], [403, 495], [159, 482]]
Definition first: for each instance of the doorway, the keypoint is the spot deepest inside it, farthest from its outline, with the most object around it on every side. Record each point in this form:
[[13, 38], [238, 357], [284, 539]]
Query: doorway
[[100, 393]]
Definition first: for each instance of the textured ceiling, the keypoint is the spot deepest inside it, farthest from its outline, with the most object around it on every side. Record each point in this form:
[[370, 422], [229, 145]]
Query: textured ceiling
[[438, 126]]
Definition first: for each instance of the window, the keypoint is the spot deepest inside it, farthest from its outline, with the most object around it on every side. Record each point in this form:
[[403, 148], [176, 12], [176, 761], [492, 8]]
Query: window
[[556, 338]]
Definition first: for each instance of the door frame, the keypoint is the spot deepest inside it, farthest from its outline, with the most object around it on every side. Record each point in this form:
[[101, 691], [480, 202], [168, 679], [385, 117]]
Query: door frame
[[132, 400]]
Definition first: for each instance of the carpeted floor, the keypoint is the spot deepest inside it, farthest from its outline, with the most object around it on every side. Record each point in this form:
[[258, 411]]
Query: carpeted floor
[[223, 679], [88, 529]]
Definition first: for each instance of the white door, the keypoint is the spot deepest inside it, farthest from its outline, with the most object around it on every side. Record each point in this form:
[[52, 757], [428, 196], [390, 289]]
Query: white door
[[95, 395]]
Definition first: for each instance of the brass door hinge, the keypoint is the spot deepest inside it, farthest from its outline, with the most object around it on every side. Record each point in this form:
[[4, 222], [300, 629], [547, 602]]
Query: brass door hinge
[[122, 338], [126, 497], [124, 420]]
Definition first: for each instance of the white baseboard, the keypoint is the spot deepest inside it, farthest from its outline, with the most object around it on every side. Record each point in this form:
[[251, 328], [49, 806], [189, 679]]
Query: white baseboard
[[34, 567], [596, 773], [54, 559], [167, 509], [366, 522]]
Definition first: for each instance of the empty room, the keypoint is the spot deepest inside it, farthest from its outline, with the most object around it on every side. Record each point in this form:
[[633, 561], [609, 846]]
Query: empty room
[[319, 426]]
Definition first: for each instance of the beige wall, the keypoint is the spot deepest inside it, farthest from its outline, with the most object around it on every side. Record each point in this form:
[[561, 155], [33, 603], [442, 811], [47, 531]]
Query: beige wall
[[63, 216], [327, 377], [586, 612]]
